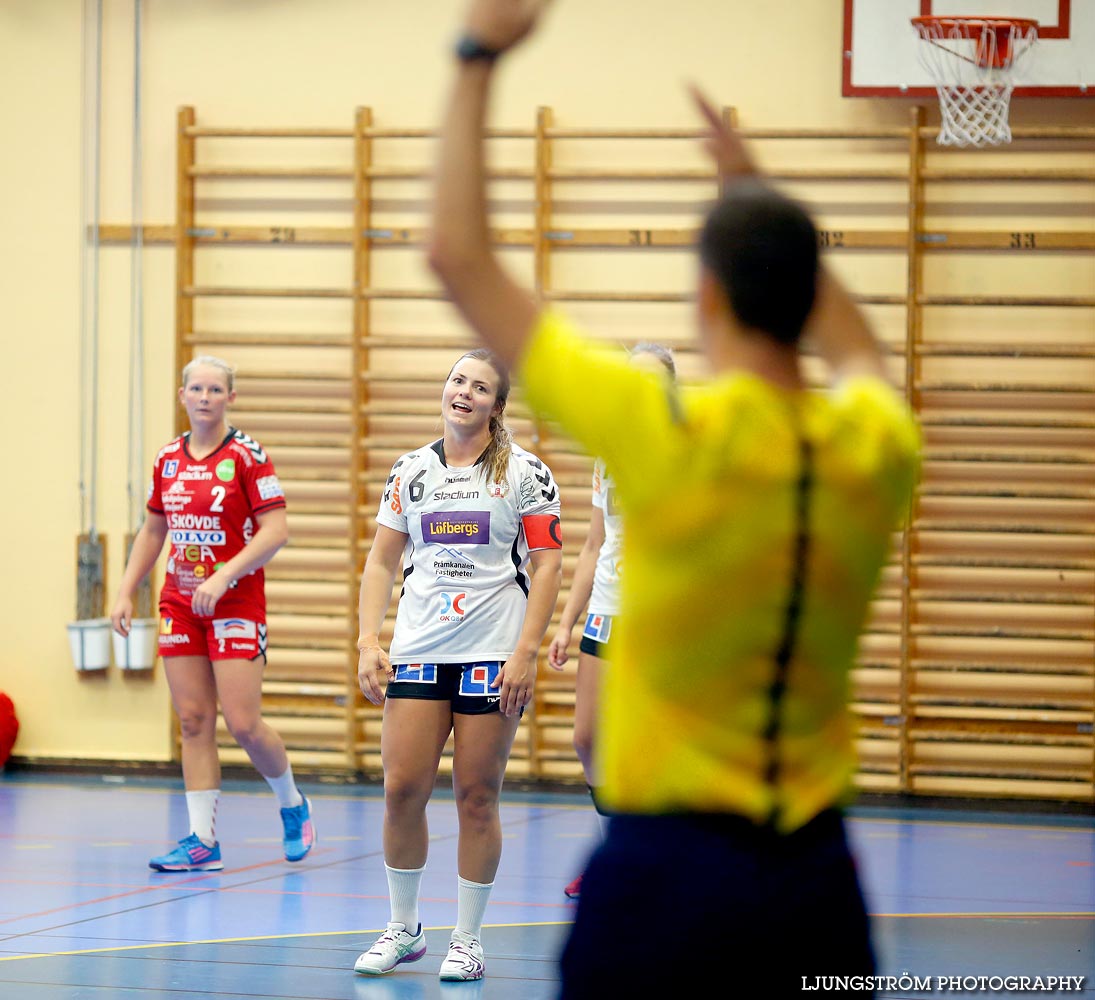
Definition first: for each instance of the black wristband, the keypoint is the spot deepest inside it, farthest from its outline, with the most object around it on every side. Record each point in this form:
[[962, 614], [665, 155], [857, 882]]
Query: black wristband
[[470, 49]]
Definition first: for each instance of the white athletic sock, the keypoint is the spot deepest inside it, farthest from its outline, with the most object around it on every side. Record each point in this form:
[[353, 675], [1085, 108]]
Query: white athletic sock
[[285, 788], [471, 905], [202, 808], [403, 886]]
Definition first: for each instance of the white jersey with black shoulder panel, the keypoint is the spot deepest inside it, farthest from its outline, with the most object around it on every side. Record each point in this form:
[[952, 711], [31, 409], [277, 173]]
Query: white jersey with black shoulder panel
[[465, 567], [605, 596]]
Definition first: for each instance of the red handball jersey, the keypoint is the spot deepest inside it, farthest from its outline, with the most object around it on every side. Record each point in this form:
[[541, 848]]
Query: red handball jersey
[[210, 506]]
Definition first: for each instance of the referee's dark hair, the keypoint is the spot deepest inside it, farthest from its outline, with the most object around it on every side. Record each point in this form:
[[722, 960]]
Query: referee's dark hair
[[761, 247]]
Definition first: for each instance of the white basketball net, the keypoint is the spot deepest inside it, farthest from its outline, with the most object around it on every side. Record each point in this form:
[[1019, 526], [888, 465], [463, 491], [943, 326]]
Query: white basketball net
[[973, 67]]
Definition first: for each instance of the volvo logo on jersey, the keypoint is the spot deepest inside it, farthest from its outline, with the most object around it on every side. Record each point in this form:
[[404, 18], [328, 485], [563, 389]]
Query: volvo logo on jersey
[[457, 527], [452, 607]]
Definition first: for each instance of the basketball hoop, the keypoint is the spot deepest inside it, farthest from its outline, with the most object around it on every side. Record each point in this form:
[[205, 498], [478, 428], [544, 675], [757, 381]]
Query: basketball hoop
[[972, 61]]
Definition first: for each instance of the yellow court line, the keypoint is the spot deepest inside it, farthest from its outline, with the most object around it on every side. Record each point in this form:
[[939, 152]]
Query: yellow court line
[[243, 940]]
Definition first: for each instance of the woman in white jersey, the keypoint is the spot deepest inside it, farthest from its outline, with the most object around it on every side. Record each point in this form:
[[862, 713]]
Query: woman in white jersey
[[468, 517], [216, 497], [596, 584]]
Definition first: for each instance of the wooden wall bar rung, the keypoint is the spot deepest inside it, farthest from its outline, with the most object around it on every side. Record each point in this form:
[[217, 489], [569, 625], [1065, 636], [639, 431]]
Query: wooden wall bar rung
[[989, 176], [207, 132], [845, 239], [1034, 349], [272, 173], [252, 339], [1008, 301], [210, 291]]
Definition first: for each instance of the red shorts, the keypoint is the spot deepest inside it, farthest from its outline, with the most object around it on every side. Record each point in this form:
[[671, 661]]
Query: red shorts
[[234, 633]]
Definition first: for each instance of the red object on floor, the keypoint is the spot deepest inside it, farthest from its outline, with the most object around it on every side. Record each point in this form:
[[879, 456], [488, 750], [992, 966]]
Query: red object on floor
[[9, 727]]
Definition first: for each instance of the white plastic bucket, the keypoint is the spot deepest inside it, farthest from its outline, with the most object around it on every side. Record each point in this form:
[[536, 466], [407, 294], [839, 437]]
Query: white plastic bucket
[[89, 641], [137, 651]]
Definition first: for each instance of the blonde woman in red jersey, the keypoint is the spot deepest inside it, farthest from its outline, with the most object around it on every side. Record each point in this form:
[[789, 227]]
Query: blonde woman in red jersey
[[216, 495]]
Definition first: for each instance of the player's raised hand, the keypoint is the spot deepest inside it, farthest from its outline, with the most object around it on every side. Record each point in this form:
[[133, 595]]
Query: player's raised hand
[[501, 24], [724, 143]]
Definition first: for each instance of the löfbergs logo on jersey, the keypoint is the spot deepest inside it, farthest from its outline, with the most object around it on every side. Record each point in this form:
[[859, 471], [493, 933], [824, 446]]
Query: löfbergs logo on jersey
[[452, 607], [458, 527]]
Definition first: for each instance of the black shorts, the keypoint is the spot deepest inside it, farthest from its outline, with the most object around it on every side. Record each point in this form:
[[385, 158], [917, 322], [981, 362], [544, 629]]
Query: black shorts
[[595, 635], [466, 686], [795, 898]]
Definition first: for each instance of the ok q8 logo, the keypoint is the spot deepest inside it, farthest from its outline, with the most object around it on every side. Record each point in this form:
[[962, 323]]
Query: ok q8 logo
[[452, 607]]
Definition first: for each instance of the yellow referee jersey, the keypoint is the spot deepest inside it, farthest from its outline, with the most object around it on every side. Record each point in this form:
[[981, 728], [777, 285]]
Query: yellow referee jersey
[[756, 522]]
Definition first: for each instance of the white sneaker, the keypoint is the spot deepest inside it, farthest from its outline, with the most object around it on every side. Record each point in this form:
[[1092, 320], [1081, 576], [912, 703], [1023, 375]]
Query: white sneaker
[[392, 948], [464, 960]]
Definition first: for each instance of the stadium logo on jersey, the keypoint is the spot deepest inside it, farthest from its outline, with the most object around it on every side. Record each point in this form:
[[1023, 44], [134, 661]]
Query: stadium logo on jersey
[[452, 607], [476, 679], [499, 491], [170, 467], [453, 564], [269, 487], [415, 673], [226, 470], [598, 628], [234, 628], [456, 495], [459, 527]]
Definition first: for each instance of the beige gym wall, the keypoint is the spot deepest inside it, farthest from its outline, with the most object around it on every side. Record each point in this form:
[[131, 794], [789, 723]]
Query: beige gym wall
[[278, 62]]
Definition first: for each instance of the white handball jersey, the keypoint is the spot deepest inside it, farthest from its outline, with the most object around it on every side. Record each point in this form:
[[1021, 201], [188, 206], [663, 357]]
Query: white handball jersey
[[465, 578], [605, 596]]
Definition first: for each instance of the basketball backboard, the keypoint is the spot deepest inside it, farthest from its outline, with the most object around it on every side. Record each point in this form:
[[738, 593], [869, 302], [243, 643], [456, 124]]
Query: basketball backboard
[[881, 56]]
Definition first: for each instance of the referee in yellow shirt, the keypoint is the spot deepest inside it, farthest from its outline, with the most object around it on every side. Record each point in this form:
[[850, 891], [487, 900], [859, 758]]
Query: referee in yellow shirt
[[757, 517]]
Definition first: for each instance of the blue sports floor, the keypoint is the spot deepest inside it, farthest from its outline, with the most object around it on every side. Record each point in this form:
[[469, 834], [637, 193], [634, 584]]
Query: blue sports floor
[[82, 917]]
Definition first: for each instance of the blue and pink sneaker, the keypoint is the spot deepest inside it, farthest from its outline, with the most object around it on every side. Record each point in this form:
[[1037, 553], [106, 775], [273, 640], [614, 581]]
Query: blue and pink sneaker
[[300, 831], [190, 856]]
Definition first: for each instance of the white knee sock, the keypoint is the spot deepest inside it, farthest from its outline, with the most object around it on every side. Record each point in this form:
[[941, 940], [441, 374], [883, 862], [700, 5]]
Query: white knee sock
[[202, 808], [403, 886], [471, 905], [285, 788]]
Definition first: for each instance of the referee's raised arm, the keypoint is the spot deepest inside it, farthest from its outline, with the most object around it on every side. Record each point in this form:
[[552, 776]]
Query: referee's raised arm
[[500, 311]]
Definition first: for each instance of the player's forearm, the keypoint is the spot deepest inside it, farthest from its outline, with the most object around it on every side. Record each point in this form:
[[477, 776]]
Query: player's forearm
[[581, 587], [272, 534], [143, 554], [374, 596], [543, 592]]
